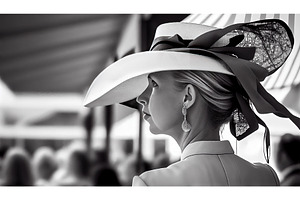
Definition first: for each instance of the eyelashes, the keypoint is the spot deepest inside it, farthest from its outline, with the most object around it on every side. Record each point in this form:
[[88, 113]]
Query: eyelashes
[[154, 84]]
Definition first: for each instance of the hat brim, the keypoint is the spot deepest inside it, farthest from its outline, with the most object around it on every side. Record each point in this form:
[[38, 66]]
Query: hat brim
[[127, 78]]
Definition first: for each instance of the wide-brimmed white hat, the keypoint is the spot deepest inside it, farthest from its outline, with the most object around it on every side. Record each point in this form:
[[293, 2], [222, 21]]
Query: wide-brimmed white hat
[[127, 78]]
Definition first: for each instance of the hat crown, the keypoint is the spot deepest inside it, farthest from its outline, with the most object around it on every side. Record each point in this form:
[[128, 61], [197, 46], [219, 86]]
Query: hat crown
[[187, 31]]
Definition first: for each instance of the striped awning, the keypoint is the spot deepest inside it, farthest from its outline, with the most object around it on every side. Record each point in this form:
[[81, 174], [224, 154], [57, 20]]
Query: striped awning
[[56, 53], [289, 74]]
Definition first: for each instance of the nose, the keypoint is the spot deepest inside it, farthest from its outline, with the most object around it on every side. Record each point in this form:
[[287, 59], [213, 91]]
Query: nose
[[143, 99]]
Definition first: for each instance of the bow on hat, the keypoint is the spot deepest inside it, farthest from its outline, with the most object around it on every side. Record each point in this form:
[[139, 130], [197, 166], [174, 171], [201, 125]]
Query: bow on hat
[[254, 51]]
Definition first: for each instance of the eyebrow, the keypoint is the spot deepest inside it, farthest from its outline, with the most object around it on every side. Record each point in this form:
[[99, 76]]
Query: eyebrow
[[150, 76]]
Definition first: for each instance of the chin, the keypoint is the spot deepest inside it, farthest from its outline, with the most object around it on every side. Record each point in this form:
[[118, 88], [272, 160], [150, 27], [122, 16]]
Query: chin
[[155, 130]]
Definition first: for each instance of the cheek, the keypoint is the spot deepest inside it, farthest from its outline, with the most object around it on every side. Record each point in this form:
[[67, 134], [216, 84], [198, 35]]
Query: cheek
[[165, 112]]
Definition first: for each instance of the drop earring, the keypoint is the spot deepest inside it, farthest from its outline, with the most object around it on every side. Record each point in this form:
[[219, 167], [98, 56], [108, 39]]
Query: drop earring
[[186, 127]]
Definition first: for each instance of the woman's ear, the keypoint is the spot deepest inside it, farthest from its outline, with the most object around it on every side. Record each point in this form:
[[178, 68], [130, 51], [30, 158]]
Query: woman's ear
[[189, 95]]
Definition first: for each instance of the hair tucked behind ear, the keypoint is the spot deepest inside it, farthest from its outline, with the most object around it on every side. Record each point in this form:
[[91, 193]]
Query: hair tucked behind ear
[[217, 89]]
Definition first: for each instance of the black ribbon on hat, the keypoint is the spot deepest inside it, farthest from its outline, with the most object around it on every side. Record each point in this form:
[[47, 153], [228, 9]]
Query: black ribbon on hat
[[248, 73]]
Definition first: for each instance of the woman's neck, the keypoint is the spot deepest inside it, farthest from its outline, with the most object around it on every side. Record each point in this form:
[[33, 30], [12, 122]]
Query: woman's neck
[[202, 127], [203, 134]]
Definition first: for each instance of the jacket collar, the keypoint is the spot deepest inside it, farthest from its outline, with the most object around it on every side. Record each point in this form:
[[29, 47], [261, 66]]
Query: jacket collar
[[207, 147]]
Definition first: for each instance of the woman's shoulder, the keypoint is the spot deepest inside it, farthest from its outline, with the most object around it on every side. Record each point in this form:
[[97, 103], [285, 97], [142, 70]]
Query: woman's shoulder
[[153, 177], [162, 176], [138, 181]]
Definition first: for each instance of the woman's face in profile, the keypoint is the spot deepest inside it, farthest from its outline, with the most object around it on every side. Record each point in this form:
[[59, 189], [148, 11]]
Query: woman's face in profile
[[162, 103]]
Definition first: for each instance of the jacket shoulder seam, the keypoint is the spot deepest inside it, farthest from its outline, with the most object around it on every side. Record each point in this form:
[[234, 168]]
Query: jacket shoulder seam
[[225, 172]]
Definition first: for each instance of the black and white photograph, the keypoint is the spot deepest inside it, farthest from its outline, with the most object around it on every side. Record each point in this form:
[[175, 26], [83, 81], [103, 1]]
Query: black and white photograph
[[120, 100]]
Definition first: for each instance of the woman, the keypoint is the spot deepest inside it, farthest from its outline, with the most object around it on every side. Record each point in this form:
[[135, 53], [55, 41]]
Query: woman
[[195, 79]]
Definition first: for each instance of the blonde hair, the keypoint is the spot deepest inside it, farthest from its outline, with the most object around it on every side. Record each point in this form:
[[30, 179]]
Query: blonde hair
[[217, 89]]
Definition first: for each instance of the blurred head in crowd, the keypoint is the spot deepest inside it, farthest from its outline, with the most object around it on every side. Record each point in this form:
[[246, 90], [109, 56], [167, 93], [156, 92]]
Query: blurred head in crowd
[[128, 168], [17, 169], [78, 163], [44, 164], [288, 153], [99, 157], [76, 172], [3, 150], [288, 160], [105, 175], [73, 165], [61, 156]]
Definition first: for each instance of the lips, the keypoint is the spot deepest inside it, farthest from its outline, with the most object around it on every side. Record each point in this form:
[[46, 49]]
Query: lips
[[146, 115]]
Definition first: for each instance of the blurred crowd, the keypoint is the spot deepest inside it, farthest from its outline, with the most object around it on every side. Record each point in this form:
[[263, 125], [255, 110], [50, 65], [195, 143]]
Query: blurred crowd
[[73, 165], [70, 166]]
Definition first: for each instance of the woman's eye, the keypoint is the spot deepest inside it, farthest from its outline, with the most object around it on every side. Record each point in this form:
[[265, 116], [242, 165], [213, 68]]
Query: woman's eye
[[154, 84]]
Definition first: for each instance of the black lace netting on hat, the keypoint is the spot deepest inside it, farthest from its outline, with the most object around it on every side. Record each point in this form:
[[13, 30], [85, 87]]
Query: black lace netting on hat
[[273, 43]]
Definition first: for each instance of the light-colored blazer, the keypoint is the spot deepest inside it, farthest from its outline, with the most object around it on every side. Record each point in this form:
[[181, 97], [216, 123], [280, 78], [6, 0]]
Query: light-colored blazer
[[209, 163]]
